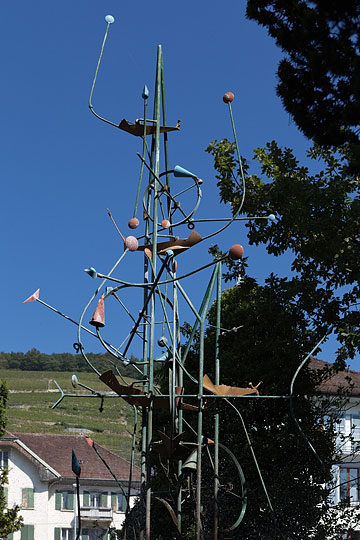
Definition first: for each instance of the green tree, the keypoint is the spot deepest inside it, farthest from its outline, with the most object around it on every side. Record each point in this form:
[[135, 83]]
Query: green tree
[[317, 225], [272, 338], [319, 77], [10, 521]]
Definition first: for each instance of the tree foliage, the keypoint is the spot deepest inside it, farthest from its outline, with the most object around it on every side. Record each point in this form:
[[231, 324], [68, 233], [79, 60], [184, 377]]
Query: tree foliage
[[317, 225], [34, 360], [10, 521], [270, 345], [319, 82]]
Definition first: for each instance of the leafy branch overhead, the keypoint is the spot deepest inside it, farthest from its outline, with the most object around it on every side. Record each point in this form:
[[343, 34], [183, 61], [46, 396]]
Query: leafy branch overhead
[[319, 76], [318, 224]]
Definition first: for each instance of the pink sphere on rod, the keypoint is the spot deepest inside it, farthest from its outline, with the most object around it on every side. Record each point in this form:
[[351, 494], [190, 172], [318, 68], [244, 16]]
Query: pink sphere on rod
[[131, 243], [228, 97], [165, 224], [133, 223]]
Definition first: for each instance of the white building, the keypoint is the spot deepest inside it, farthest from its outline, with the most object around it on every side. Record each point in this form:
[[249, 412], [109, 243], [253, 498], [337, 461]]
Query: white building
[[41, 481], [347, 427]]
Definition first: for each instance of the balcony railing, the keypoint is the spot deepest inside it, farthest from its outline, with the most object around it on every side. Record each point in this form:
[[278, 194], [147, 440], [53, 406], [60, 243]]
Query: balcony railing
[[96, 512]]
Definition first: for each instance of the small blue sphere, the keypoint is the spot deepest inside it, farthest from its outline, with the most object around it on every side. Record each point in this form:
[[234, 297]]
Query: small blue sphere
[[162, 342], [109, 19]]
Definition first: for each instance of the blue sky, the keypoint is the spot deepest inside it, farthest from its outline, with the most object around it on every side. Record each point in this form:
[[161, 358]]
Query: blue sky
[[61, 168]]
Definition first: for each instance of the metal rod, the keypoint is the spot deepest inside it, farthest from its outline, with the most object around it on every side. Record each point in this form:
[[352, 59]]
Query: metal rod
[[216, 419], [156, 158]]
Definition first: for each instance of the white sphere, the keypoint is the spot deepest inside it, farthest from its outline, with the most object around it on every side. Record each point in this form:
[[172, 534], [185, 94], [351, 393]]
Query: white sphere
[[109, 19]]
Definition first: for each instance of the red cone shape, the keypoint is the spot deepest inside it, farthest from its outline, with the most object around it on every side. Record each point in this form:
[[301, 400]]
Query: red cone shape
[[98, 318]]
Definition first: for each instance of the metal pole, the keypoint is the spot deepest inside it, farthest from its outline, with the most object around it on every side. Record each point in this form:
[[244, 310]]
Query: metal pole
[[199, 435], [155, 166], [216, 422]]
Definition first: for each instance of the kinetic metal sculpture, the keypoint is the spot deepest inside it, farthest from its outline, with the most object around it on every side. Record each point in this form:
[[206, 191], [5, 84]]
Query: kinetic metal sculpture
[[166, 196]]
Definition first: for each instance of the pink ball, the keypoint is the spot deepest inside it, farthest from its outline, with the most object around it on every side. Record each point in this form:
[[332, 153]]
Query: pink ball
[[228, 97], [236, 252], [133, 223], [165, 224], [148, 253], [131, 243]]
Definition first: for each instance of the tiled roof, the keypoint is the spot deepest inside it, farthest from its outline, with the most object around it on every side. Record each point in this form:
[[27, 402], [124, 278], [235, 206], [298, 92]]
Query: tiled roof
[[56, 451], [347, 379]]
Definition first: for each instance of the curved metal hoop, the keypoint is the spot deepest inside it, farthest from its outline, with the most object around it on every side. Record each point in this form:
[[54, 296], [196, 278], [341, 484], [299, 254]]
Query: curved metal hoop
[[226, 488], [165, 190]]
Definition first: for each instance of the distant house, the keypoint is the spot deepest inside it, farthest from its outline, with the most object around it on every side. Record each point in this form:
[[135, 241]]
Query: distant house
[[41, 481], [347, 472]]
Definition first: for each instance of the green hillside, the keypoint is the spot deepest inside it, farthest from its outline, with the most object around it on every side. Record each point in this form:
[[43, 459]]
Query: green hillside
[[32, 393]]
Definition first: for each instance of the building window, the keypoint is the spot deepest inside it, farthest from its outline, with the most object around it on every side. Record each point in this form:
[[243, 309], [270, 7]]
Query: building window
[[4, 458], [63, 534], [67, 500], [27, 532], [27, 498], [355, 432], [95, 499], [118, 502], [64, 500], [349, 485]]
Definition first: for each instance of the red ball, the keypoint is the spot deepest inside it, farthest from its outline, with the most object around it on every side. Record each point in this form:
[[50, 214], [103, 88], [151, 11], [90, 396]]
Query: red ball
[[131, 243], [165, 224], [228, 97], [236, 252], [133, 223]]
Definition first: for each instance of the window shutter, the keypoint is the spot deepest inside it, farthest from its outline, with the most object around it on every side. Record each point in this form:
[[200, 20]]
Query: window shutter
[[86, 498], [84, 534], [124, 504], [104, 500], [114, 502], [57, 500], [57, 532], [30, 498], [27, 532], [6, 495], [10, 536], [70, 499]]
